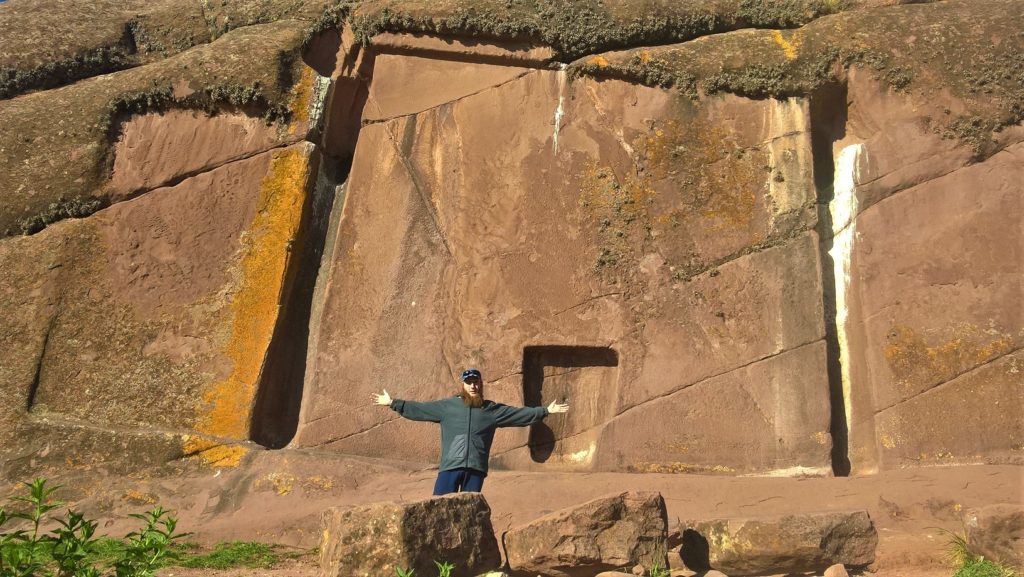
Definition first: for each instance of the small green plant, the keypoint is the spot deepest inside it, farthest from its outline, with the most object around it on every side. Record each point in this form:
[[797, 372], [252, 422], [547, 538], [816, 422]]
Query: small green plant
[[404, 572], [658, 571], [148, 549], [73, 541], [23, 552], [72, 548], [444, 568], [969, 564]]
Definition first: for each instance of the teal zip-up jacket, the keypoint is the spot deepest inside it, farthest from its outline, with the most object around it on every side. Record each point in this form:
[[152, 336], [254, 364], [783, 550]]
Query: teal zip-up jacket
[[467, 432]]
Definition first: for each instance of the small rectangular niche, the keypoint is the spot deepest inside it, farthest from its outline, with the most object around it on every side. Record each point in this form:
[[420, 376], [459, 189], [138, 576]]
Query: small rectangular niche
[[585, 377]]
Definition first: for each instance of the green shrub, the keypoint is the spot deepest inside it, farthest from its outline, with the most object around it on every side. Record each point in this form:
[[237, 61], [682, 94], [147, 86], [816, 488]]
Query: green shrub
[[968, 563], [981, 567], [72, 549]]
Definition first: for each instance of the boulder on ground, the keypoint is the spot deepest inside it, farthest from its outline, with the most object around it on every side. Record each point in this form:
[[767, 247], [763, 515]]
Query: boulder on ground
[[997, 533], [837, 570], [771, 545], [608, 533], [376, 539]]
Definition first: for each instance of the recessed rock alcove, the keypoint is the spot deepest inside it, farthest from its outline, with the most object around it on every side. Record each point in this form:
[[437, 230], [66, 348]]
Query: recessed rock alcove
[[585, 377]]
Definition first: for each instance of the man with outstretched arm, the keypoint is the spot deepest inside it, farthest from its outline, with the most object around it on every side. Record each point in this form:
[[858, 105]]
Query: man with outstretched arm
[[468, 422]]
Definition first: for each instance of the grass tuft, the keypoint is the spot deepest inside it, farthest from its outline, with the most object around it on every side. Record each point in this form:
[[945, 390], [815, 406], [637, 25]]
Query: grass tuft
[[968, 563], [248, 554]]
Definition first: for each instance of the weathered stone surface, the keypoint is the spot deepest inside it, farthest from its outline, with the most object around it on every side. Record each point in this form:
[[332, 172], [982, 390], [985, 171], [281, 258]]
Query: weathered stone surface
[[155, 150], [50, 43], [377, 539], [410, 84], [782, 403], [934, 317], [584, 244], [55, 42], [602, 534], [158, 311], [961, 86], [837, 570], [504, 52], [57, 142], [606, 27], [997, 532], [791, 543], [930, 428], [900, 151]]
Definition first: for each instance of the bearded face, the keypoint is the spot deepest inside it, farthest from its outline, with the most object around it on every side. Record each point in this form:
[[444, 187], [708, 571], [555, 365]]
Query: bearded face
[[473, 392]]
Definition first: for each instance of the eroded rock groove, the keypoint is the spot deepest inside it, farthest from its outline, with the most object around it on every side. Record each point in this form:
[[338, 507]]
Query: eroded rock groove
[[828, 110]]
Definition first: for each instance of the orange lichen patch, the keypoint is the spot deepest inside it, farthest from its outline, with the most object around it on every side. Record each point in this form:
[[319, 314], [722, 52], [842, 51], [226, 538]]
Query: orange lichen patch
[[302, 95], [601, 190], [917, 362], [677, 467], [678, 447], [887, 441], [266, 250], [790, 48], [213, 453], [599, 61], [645, 57], [280, 483], [620, 206], [716, 178], [136, 497], [318, 482]]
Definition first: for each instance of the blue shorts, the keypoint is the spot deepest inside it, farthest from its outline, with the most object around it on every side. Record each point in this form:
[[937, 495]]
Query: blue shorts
[[456, 480]]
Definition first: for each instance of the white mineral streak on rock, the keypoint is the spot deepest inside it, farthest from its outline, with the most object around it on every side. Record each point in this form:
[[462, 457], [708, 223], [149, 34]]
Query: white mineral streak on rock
[[582, 457], [559, 110], [316, 105], [797, 471], [843, 210]]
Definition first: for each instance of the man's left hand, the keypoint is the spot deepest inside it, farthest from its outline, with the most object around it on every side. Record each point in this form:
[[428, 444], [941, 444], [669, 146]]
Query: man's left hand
[[556, 407]]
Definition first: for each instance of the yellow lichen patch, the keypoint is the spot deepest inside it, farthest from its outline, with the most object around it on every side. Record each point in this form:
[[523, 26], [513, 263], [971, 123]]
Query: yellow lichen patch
[[887, 441], [266, 250], [136, 497], [302, 94], [677, 467], [318, 482], [620, 207], [820, 437], [717, 179], [601, 190], [599, 61], [213, 453], [645, 57], [790, 49], [280, 483], [678, 447], [917, 361]]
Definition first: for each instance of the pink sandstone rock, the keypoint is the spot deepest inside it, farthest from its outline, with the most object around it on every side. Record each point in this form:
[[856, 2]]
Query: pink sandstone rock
[[610, 532], [380, 538]]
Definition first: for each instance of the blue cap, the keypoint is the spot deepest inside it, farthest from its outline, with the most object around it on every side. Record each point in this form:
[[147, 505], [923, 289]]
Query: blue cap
[[470, 373]]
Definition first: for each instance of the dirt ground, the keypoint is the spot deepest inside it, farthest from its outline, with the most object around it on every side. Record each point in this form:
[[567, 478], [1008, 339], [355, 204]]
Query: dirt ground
[[277, 497]]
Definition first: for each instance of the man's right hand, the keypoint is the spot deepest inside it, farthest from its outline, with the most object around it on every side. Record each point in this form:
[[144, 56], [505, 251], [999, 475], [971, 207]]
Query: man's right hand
[[384, 399]]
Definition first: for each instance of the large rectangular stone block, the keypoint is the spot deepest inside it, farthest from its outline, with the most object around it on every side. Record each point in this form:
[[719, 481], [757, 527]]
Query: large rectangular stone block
[[377, 539]]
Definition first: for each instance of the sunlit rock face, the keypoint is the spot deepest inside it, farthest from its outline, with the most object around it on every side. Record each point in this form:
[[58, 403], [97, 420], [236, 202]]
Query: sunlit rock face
[[788, 243], [650, 260]]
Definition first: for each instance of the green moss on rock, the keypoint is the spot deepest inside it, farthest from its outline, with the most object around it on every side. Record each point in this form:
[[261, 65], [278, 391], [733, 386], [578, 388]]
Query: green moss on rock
[[57, 143], [970, 49], [574, 28]]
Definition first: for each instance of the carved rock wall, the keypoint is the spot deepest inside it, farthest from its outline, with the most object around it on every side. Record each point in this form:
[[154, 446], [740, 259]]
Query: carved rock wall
[[508, 210]]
